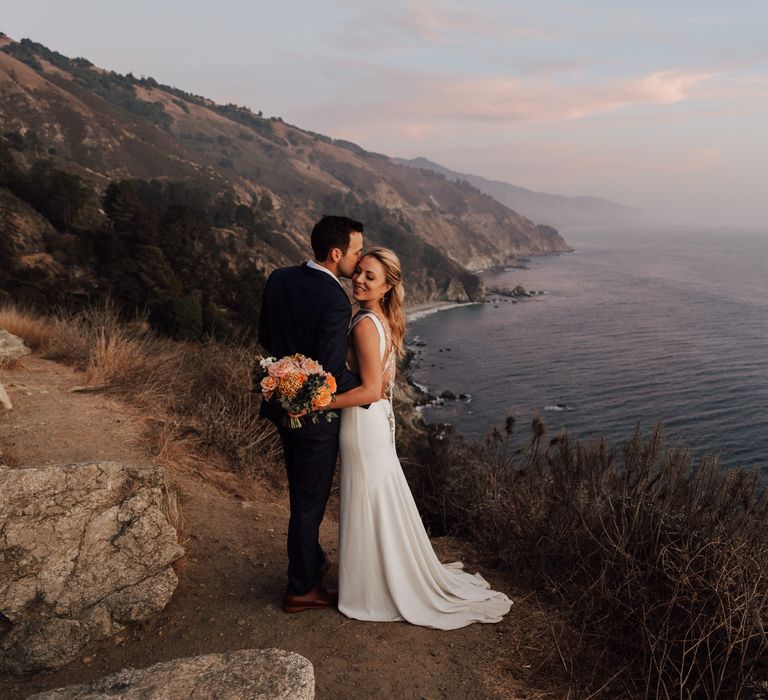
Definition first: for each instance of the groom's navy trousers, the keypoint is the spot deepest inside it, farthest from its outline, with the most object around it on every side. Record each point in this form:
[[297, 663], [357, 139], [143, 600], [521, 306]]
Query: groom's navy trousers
[[307, 311]]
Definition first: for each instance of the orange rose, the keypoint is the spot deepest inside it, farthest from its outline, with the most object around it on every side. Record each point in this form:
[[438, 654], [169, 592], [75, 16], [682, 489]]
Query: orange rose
[[330, 380], [322, 399]]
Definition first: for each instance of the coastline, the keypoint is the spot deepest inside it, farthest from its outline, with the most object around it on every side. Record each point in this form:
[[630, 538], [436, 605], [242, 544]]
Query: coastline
[[417, 311]]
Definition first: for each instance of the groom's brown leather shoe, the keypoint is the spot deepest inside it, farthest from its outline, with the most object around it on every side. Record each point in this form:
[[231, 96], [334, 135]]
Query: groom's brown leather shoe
[[314, 599]]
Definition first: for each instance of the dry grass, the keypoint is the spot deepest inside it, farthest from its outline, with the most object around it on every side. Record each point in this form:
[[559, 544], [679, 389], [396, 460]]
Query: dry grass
[[34, 329], [200, 394], [662, 563], [117, 359], [70, 341], [171, 506], [8, 458], [63, 336]]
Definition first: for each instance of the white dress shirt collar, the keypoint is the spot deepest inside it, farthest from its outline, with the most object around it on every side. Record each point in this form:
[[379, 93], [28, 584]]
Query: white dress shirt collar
[[316, 266]]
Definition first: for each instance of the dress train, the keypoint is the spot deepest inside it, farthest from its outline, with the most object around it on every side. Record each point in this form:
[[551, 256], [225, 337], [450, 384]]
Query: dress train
[[387, 568]]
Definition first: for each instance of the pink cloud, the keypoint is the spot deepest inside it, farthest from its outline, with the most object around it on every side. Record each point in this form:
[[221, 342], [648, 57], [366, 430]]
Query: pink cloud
[[664, 87], [426, 21], [515, 100]]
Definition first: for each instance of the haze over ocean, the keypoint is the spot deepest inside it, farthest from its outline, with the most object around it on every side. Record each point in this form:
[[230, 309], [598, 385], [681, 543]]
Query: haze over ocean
[[633, 329]]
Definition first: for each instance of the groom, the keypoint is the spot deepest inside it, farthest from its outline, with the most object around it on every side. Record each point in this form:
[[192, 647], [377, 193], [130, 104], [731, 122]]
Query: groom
[[306, 310]]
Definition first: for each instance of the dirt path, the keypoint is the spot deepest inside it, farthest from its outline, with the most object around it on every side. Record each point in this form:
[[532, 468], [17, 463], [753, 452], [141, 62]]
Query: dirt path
[[51, 425], [232, 579]]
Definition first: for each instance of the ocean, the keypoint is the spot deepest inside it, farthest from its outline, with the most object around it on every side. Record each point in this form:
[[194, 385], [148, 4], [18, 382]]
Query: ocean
[[631, 330]]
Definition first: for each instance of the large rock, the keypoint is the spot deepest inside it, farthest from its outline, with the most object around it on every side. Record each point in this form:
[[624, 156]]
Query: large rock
[[84, 550], [11, 348], [250, 674]]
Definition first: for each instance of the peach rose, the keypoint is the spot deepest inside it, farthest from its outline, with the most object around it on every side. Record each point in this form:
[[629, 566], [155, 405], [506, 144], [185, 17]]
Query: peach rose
[[330, 380], [310, 366], [281, 368], [268, 386]]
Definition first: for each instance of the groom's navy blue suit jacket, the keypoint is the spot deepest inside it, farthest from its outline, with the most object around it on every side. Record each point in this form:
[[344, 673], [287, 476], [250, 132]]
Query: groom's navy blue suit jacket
[[306, 311]]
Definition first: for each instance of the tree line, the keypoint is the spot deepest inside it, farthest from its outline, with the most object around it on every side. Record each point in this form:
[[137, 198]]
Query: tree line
[[155, 248]]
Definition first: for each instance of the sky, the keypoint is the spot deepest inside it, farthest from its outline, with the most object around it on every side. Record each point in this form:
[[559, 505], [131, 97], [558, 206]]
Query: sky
[[657, 105]]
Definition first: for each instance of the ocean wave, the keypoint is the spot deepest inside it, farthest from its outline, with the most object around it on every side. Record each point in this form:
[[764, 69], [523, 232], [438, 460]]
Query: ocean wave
[[558, 407], [421, 387]]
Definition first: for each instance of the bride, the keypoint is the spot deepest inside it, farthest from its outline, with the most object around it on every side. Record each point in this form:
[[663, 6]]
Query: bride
[[387, 568]]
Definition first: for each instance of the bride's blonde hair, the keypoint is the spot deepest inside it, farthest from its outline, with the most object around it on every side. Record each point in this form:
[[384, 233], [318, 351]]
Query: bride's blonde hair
[[393, 301]]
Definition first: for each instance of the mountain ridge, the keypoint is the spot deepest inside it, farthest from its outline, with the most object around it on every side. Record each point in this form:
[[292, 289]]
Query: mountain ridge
[[104, 128], [560, 211]]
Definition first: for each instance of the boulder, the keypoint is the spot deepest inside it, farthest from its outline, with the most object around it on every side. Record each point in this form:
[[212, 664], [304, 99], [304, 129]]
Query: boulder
[[5, 400], [11, 348], [249, 674], [84, 550]]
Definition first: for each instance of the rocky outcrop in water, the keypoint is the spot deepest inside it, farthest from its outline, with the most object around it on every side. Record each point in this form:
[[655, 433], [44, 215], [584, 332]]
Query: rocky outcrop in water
[[249, 674], [85, 549], [518, 291]]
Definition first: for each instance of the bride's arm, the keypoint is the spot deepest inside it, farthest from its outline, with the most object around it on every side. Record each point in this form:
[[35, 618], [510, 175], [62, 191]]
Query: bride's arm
[[365, 343]]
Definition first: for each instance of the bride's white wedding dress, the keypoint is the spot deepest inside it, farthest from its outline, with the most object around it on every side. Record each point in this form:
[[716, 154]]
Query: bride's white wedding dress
[[387, 568]]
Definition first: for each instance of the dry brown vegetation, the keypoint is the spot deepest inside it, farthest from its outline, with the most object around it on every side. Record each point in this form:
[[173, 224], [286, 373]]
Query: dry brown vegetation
[[8, 457], [662, 562], [35, 330], [200, 394]]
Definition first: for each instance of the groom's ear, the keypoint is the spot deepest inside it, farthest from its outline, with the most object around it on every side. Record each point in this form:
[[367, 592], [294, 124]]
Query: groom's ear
[[336, 255]]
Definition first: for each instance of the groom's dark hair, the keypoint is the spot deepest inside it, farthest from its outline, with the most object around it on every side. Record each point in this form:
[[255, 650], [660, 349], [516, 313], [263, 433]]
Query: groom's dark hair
[[333, 232]]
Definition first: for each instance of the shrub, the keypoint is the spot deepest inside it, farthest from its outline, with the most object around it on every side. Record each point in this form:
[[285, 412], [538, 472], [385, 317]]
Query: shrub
[[186, 317], [660, 560]]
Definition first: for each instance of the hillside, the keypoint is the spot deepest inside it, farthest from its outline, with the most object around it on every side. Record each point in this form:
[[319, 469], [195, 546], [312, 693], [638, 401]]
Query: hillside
[[264, 181], [550, 209]]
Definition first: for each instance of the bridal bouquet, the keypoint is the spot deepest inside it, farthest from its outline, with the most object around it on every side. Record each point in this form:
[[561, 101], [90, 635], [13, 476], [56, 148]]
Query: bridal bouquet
[[299, 384]]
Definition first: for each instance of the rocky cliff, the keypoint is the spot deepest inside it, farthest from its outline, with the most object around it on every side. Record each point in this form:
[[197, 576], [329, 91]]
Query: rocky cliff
[[104, 127]]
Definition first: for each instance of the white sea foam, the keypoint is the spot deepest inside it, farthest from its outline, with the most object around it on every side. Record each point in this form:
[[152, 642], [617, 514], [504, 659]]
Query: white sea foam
[[416, 315]]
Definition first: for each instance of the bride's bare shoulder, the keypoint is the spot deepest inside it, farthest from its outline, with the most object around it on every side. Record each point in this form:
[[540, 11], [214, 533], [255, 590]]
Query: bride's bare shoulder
[[364, 326]]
